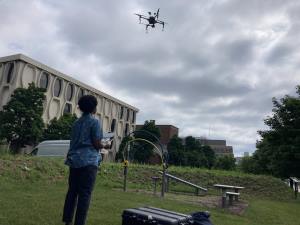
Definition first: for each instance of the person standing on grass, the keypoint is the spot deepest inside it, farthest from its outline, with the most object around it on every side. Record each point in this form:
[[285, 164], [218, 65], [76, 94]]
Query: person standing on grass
[[83, 159]]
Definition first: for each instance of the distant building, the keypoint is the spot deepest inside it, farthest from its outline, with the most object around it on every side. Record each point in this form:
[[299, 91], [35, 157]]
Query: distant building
[[218, 146], [62, 94], [239, 159], [166, 132]]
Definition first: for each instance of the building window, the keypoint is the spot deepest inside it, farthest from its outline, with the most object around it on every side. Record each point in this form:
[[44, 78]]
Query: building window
[[57, 87], [10, 71], [113, 125], [68, 108], [121, 112], [128, 115], [126, 129], [133, 117], [81, 93], [44, 80], [70, 90]]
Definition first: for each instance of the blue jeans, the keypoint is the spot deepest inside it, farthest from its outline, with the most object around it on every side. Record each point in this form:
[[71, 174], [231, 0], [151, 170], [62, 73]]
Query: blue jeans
[[81, 184]]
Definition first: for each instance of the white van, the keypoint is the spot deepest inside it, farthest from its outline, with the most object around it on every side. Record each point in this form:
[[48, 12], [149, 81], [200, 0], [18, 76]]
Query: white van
[[61, 147], [52, 148]]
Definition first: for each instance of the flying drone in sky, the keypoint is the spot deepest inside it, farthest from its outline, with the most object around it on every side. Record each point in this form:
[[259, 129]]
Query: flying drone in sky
[[151, 19]]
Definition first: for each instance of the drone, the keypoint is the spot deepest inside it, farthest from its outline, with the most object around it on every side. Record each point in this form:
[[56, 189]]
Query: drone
[[152, 20]]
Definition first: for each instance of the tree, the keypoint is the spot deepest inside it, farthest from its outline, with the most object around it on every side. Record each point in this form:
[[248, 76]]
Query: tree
[[278, 151], [176, 151], [226, 162], [248, 165], [191, 154], [60, 129], [143, 151], [209, 155], [119, 155], [21, 119]]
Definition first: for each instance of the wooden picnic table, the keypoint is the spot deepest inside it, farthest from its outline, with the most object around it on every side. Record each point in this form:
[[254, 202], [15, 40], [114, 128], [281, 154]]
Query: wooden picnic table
[[224, 189], [294, 184]]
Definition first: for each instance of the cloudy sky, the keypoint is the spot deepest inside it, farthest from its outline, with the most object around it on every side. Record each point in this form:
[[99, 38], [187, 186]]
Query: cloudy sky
[[212, 72]]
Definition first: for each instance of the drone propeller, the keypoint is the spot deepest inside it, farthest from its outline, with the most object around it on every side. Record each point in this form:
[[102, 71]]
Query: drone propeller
[[157, 13]]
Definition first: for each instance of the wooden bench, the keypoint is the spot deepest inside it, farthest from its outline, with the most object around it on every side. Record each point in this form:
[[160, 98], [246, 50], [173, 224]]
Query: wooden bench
[[294, 184], [230, 195], [197, 187], [224, 191]]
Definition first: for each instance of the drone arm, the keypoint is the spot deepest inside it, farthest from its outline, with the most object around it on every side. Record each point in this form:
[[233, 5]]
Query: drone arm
[[162, 23], [141, 16]]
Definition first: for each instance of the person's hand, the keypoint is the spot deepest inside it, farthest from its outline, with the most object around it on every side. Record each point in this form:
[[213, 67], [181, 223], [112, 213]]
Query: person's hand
[[106, 144]]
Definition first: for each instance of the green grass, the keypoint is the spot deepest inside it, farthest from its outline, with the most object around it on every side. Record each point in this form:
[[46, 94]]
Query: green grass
[[36, 196]]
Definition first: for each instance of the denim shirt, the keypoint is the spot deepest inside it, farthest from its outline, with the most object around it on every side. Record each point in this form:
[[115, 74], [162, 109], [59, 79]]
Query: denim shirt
[[82, 152]]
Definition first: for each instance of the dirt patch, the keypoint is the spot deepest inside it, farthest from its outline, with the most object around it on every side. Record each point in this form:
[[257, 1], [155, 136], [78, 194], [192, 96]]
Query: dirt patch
[[206, 201]]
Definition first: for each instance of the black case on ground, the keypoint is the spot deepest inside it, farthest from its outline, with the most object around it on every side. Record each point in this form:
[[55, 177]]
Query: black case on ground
[[154, 216]]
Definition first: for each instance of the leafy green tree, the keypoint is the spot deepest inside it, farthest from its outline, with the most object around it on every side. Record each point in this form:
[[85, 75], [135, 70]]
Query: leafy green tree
[[176, 151], [60, 129], [278, 151], [21, 119], [209, 155], [191, 154], [226, 162], [195, 158], [119, 155], [248, 164], [191, 143], [143, 151]]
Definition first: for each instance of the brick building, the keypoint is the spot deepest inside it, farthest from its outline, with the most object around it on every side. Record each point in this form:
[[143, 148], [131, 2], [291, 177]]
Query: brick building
[[166, 132]]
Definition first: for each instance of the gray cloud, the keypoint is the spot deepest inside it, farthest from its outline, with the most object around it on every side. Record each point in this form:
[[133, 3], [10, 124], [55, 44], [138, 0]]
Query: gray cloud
[[212, 72]]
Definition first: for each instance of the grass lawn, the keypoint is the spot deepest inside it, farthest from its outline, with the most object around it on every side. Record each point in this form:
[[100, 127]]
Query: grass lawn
[[36, 197]]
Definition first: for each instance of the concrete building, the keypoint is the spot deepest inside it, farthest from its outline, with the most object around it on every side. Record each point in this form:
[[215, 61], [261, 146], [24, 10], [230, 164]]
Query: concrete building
[[62, 94], [218, 146]]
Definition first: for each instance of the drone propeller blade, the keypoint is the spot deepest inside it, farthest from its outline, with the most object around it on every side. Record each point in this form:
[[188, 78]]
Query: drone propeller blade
[[157, 13]]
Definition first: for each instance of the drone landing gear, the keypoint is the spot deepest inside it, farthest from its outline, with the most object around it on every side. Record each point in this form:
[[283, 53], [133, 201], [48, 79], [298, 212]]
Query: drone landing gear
[[147, 28]]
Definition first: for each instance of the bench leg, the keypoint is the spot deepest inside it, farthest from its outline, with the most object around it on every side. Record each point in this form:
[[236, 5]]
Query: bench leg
[[296, 189], [154, 191], [230, 200], [236, 197], [223, 202], [168, 183], [197, 191], [291, 183]]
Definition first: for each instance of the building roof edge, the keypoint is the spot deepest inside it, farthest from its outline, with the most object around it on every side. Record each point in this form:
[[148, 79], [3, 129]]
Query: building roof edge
[[27, 59]]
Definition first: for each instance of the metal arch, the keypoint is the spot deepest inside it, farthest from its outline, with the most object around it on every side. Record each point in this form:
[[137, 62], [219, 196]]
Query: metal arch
[[156, 138], [149, 142], [164, 163]]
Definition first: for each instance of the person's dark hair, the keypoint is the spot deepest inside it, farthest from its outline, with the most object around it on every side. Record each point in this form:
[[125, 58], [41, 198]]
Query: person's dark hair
[[88, 103]]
